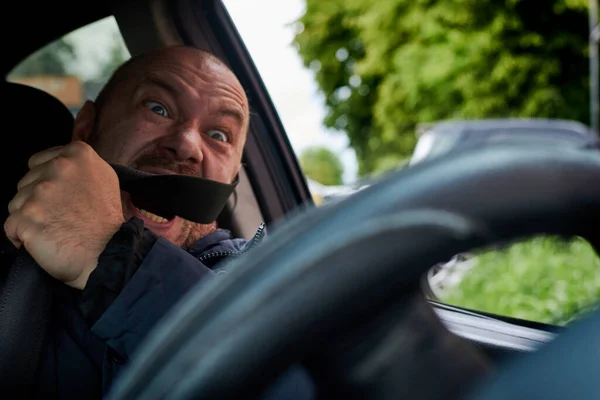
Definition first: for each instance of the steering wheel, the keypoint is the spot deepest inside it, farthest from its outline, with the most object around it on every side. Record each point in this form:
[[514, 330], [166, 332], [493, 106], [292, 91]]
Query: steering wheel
[[335, 287]]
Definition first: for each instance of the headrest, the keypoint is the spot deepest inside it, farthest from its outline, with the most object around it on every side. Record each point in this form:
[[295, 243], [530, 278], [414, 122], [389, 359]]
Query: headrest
[[39, 121]]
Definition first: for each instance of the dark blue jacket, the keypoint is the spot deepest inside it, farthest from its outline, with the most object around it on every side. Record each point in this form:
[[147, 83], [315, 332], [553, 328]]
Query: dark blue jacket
[[139, 278]]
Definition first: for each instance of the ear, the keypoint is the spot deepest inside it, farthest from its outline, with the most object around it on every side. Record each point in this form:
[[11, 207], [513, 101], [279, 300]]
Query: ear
[[84, 122]]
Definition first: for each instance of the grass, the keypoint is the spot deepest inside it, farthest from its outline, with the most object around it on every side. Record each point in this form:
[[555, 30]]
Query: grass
[[544, 279]]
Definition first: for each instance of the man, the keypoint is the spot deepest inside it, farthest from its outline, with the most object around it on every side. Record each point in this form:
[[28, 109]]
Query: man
[[174, 110]]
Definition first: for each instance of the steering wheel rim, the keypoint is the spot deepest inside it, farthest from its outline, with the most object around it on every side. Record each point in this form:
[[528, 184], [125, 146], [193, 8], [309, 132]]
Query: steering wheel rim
[[192, 351]]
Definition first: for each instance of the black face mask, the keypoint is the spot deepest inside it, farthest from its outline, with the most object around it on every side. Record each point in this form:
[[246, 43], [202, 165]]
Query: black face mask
[[195, 199]]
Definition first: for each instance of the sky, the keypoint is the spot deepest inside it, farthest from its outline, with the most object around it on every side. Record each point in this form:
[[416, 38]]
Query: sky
[[291, 86]]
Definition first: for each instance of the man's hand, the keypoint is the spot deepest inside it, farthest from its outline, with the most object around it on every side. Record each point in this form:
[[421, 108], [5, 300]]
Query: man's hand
[[67, 208]]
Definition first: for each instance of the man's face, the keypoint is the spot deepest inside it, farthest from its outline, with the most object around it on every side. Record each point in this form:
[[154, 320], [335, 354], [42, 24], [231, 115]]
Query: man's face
[[175, 113]]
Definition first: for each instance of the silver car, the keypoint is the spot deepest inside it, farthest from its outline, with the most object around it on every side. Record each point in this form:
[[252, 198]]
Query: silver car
[[439, 138]]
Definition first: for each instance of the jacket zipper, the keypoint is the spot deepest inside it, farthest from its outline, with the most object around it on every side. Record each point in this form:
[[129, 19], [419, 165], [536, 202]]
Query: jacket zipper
[[258, 236], [260, 232]]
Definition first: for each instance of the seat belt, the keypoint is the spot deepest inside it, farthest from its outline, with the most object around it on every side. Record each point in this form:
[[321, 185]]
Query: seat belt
[[25, 296]]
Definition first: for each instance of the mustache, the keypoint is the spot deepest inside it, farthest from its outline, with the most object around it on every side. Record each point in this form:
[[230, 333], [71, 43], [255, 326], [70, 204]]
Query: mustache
[[167, 164]]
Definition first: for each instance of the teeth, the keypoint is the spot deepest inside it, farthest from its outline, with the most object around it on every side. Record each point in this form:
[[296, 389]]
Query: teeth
[[153, 217]]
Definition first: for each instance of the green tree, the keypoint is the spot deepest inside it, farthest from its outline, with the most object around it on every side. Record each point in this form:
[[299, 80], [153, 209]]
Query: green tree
[[386, 65], [53, 59], [322, 165]]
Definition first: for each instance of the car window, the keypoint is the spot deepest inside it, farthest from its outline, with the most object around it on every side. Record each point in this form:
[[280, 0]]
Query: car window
[[76, 66], [543, 279], [356, 82], [324, 154]]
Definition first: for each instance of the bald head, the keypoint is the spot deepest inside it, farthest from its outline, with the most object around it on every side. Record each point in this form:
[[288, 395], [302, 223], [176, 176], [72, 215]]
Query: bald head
[[171, 110], [137, 64]]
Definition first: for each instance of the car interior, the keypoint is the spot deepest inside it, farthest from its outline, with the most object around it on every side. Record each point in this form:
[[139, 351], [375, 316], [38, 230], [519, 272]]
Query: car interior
[[272, 189]]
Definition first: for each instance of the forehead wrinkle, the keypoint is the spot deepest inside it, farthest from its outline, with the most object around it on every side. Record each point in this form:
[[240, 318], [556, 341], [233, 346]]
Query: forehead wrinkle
[[155, 80], [227, 111], [185, 72], [206, 70], [178, 84]]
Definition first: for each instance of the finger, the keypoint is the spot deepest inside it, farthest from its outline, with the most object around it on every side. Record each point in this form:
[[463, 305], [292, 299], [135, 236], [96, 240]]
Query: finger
[[15, 243], [10, 229], [77, 148], [37, 173], [45, 170], [20, 198], [33, 175], [44, 156]]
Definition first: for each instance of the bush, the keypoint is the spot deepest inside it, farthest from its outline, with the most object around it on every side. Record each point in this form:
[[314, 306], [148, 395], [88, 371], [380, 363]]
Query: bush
[[544, 279]]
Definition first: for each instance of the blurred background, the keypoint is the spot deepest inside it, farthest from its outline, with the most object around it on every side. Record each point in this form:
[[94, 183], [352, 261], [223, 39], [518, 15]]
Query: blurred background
[[367, 88]]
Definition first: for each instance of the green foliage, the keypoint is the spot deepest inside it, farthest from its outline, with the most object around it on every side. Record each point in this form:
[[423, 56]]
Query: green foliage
[[50, 60], [386, 65], [543, 279], [322, 165]]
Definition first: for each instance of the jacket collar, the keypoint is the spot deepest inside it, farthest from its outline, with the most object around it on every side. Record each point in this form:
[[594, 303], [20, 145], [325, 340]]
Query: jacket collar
[[221, 244]]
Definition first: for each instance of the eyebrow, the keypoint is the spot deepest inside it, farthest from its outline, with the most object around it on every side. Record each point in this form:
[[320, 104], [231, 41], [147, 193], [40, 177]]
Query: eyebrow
[[233, 113], [223, 111], [155, 81]]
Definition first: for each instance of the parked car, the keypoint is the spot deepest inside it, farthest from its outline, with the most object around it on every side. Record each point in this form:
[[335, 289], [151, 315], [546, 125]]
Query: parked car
[[438, 138]]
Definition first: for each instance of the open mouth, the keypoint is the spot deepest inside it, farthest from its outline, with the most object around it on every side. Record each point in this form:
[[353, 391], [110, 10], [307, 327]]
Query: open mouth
[[154, 217], [140, 212]]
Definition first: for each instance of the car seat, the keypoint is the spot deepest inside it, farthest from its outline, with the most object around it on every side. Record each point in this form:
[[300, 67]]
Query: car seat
[[37, 121]]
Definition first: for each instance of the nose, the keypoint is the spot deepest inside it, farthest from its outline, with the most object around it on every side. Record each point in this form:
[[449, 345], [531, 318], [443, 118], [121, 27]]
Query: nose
[[184, 144]]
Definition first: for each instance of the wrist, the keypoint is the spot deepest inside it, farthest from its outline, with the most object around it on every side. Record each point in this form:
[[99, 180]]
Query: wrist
[[93, 258], [81, 281]]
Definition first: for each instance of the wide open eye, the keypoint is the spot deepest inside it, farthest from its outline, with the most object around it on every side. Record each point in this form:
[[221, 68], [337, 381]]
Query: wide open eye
[[218, 135], [157, 108]]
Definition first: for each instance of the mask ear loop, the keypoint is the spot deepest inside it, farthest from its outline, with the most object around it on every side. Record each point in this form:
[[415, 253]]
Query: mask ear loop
[[234, 193]]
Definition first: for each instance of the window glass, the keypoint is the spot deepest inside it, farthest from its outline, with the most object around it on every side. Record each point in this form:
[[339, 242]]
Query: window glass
[[329, 163], [75, 67], [544, 279]]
